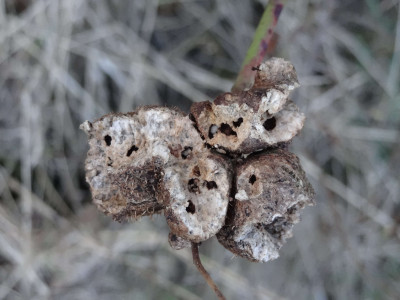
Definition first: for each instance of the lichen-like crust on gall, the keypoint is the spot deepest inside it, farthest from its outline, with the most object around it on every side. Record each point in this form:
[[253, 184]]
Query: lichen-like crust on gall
[[152, 160], [276, 73], [221, 171], [123, 177], [196, 195], [252, 120], [271, 189]]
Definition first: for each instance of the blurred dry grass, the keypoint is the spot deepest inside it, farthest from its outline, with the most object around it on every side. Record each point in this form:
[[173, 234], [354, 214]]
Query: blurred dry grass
[[65, 61]]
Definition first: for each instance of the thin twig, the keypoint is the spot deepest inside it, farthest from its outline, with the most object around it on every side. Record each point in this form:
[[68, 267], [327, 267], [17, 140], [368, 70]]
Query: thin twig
[[203, 272]]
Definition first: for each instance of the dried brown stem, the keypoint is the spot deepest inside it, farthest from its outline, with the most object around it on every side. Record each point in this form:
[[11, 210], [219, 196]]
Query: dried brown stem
[[203, 272]]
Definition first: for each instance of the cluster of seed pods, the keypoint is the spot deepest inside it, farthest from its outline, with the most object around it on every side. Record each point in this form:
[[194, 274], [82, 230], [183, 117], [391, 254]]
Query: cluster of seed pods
[[223, 170]]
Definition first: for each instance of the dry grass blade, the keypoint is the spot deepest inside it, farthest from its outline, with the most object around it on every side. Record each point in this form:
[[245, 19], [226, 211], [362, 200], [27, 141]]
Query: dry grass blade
[[62, 62]]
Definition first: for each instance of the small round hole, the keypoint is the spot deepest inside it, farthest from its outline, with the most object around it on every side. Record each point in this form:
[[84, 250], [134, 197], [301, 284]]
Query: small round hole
[[131, 149], [193, 185], [227, 130], [191, 208], [270, 124], [238, 122], [108, 140], [252, 179], [211, 185]]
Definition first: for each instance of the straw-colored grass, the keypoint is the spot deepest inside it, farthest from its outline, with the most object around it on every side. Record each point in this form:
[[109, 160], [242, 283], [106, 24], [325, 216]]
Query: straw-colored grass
[[65, 61]]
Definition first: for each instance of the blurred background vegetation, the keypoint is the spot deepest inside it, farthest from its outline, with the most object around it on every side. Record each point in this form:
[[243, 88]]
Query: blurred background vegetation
[[66, 61]]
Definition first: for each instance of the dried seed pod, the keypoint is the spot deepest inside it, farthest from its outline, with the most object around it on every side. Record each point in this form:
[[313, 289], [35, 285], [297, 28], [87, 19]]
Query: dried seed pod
[[253, 120], [241, 123], [154, 159], [196, 196], [128, 153], [276, 73], [271, 188]]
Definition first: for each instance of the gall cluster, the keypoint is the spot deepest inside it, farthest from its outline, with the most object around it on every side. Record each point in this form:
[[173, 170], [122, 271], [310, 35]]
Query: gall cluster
[[223, 170]]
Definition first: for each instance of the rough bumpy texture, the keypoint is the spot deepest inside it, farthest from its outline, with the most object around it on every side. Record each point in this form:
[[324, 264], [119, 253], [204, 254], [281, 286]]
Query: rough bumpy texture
[[157, 160], [271, 188], [256, 119], [276, 73], [151, 160], [196, 196], [122, 176]]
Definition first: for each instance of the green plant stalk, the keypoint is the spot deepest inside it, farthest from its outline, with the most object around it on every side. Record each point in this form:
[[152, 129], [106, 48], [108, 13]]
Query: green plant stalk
[[259, 46]]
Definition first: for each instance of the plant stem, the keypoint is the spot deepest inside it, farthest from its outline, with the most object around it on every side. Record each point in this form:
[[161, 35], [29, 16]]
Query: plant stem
[[262, 39], [203, 272]]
